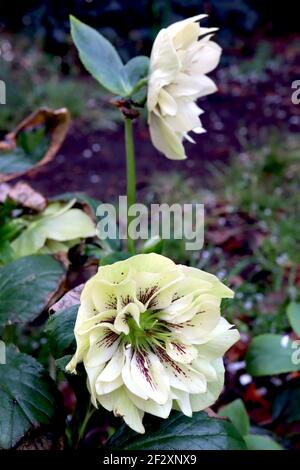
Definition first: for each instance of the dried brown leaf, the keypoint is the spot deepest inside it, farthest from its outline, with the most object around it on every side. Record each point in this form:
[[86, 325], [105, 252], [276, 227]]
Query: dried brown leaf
[[57, 122]]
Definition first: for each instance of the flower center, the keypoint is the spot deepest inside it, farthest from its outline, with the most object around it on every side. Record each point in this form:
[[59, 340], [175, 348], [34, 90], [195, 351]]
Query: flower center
[[150, 332]]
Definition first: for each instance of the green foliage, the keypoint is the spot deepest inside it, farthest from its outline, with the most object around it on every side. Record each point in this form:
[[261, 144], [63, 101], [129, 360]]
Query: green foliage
[[257, 442], [26, 286], [270, 354], [114, 257], [237, 414], [31, 148], [60, 331], [28, 89], [27, 397], [293, 313], [286, 404], [99, 57], [103, 62], [180, 432]]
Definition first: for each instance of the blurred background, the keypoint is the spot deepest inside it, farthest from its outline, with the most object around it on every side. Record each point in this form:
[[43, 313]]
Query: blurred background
[[245, 168], [40, 67]]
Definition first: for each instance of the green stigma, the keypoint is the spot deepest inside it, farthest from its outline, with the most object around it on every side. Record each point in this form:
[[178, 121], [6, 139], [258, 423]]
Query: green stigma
[[151, 331]]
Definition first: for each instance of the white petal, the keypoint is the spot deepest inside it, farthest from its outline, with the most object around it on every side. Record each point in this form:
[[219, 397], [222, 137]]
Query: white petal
[[204, 366], [206, 86], [121, 405], [206, 59], [127, 376], [204, 400], [195, 330], [149, 375], [165, 139], [150, 406], [121, 324], [212, 282], [182, 376], [103, 388], [183, 401], [92, 375], [167, 103], [103, 344], [164, 66], [113, 368], [177, 27], [180, 352], [218, 341]]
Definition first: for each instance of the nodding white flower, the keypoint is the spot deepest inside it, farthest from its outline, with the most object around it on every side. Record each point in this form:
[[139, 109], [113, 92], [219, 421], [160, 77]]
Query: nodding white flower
[[151, 337], [179, 63]]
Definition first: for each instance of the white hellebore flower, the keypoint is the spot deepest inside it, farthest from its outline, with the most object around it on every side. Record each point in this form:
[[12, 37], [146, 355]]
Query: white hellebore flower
[[151, 337], [177, 78]]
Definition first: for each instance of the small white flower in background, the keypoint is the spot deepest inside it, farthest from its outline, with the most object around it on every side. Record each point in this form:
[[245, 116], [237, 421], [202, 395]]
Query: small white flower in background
[[179, 63], [151, 337], [57, 228]]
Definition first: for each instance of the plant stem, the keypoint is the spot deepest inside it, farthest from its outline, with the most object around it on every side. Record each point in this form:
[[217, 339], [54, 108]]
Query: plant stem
[[9, 334], [131, 179], [90, 411]]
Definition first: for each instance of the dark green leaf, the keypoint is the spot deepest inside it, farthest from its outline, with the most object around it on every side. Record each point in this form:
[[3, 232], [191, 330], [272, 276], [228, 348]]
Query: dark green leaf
[[26, 286], [99, 57], [293, 313], [60, 331], [30, 149], [286, 405], [270, 354], [63, 361], [179, 432], [27, 397], [238, 415]]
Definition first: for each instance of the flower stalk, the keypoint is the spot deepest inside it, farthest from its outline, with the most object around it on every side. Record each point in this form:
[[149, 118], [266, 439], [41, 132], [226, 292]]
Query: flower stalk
[[131, 177]]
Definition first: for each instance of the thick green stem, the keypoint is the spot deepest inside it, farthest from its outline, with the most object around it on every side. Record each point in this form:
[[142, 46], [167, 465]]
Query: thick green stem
[[131, 179]]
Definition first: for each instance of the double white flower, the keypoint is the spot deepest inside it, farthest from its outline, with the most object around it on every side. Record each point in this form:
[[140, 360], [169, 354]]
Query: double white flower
[[151, 337], [177, 78]]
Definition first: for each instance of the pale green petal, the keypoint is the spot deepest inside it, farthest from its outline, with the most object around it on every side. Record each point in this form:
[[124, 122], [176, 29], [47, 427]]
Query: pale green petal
[[103, 344], [167, 103], [150, 406], [102, 388], [165, 139], [164, 66], [218, 341], [206, 59], [179, 26], [218, 288], [204, 400], [182, 399], [113, 368], [180, 352], [127, 375], [121, 405], [148, 373], [92, 376], [195, 330]]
